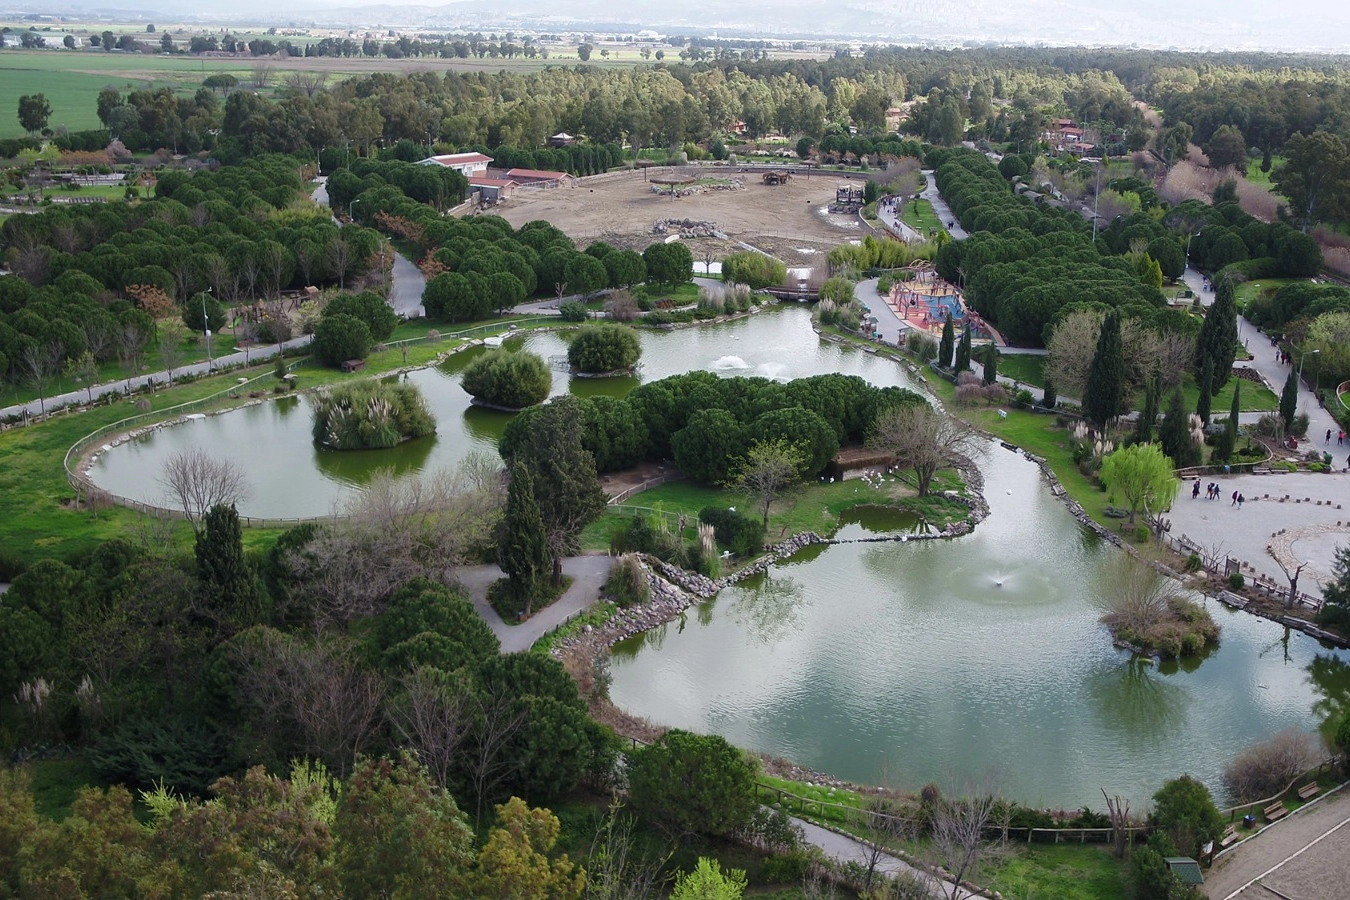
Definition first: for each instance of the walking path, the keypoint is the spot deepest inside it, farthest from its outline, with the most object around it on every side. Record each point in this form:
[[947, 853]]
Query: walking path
[[1303, 855], [846, 849], [901, 228], [1274, 372], [941, 209], [588, 574]]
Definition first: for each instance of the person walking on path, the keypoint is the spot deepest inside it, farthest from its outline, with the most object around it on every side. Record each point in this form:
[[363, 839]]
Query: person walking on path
[[1240, 499], [1328, 435], [1235, 496], [1195, 491]]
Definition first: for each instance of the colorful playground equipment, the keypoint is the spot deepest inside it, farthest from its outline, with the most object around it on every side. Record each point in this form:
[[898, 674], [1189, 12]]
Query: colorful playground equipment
[[923, 301]]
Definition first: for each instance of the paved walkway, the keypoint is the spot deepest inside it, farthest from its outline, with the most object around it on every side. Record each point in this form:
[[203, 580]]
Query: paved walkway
[[588, 574], [1244, 532], [1274, 372], [846, 849], [897, 226], [941, 209], [1302, 856]]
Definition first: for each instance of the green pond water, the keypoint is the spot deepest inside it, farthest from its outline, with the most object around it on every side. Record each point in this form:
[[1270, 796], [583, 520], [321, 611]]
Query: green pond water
[[877, 662]]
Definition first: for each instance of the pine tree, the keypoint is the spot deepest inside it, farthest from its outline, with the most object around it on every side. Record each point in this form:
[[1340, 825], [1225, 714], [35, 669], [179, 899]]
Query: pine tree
[[1148, 417], [1217, 342], [962, 353], [522, 544], [947, 345], [1175, 433], [1289, 400], [1105, 392], [1206, 397], [990, 364], [231, 588]]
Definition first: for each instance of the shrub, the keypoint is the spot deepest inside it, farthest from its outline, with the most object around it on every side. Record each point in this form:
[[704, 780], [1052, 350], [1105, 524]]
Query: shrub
[[1193, 563], [754, 269], [921, 345], [574, 311], [1236, 581], [627, 583], [605, 348], [621, 307], [370, 415], [507, 379], [741, 534], [340, 338], [1024, 399], [1141, 534], [1265, 768]]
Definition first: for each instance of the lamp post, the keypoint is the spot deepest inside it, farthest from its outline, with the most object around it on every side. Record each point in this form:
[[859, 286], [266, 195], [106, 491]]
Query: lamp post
[[1302, 357], [206, 326], [1188, 247], [350, 215]]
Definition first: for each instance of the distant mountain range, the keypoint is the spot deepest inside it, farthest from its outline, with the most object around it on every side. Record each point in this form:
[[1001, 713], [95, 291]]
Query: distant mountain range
[[1302, 25]]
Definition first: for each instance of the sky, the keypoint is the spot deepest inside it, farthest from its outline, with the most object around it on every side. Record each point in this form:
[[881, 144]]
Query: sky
[[1316, 25]]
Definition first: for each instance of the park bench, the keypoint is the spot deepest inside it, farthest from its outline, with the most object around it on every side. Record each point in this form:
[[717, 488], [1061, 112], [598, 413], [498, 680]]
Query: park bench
[[1309, 791], [1276, 811], [1230, 836]]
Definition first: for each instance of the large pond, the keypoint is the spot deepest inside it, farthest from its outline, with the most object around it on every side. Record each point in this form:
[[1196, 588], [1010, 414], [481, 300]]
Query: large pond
[[896, 662], [289, 477], [962, 659]]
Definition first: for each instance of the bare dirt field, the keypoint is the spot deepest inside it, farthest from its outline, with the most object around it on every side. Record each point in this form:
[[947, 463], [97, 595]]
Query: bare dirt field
[[788, 220], [1302, 857]]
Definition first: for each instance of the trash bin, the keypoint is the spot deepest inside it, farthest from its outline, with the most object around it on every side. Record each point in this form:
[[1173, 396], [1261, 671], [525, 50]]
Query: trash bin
[[1248, 821]]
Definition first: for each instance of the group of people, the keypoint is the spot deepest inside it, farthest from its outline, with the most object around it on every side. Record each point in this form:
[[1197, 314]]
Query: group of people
[[1212, 492], [1340, 437]]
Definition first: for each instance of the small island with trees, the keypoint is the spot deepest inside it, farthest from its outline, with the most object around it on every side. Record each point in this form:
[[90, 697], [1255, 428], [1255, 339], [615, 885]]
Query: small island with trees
[[503, 379], [370, 415]]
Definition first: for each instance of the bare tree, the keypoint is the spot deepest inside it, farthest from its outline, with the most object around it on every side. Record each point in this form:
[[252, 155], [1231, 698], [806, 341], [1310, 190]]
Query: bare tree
[[307, 83], [1266, 768], [1119, 812], [340, 257], [262, 74], [331, 700], [171, 335], [432, 715], [394, 530], [958, 825], [83, 369], [882, 827], [616, 868], [560, 288], [923, 439], [496, 717], [41, 363], [196, 481], [621, 307], [132, 341], [97, 337]]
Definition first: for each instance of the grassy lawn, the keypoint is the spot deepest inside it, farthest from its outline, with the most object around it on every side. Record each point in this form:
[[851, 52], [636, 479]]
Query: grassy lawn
[[1256, 176], [816, 507], [37, 519], [919, 215], [1062, 871], [1023, 367], [1262, 287], [1255, 398]]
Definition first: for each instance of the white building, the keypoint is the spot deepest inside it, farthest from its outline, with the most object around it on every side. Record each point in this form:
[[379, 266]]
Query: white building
[[467, 164]]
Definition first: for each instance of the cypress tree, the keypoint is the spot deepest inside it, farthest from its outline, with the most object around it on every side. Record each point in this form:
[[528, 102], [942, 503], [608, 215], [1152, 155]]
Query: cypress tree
[[1143, 432], [990, 364], [1289, 400], [962, 353], [230, 586], [1206, 398], [1049, 399], [522, 545], [947, 345], [1105, 391], [1175, 434], [1217, 343], [1227, 441]]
